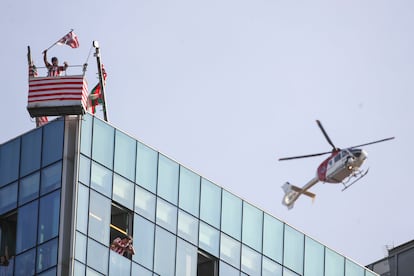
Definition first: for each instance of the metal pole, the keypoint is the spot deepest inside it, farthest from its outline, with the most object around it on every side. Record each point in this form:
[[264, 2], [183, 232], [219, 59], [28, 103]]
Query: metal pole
[[101, 79]]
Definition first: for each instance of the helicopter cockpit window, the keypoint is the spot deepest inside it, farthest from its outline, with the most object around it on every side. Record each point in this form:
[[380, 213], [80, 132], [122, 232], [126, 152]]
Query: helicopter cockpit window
[[337, 157]]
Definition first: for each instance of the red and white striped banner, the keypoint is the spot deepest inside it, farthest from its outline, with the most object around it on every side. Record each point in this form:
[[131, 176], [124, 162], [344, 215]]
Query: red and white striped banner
[[57, 91]]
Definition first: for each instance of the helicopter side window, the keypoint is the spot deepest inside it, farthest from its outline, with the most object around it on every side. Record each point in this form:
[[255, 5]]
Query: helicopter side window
[[337, 157]]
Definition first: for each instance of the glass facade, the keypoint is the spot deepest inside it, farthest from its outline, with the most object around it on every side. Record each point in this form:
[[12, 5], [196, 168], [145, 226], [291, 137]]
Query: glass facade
[[180, 222]]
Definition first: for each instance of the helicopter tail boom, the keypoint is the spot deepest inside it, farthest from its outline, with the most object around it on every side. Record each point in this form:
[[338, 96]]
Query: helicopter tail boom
[[292, 192]]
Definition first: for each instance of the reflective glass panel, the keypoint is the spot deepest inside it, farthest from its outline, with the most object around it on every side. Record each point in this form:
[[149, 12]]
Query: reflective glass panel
[[164, 256], [230, 250], [101, 179], [168, 179], [144, 203], [91, 272], [210, 203], [97, 256], [252, 226], [287, 272], [118, 264], [251, 261], [138, 270], [86, 135], [125, 153], [9, 161], [50, 272], [186, 264], [51, 178], [25, 263], [8, 198], [293, 249], [79, 269], [52, 142], [144, 239], [31, 152], [188, 227], [103, 143], [314, 257], [123, 191], [47, 255], [82, 209], [167, 215], [231, 215], [228, 270], [80, 247], [26, 230], [334, 263], [84, 170], [49, 216], [208, 239], [29, 188], [99, 217], [352, 269], [189, 191], [273, 238], [147, 167], [271, 268]]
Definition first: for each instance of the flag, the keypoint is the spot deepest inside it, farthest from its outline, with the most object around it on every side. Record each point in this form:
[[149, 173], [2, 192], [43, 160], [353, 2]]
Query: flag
[[40, 121], [95, 97], [70, 39]]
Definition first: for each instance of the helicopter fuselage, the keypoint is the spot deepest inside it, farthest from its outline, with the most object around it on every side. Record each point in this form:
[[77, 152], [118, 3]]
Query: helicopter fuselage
[[341, 165]]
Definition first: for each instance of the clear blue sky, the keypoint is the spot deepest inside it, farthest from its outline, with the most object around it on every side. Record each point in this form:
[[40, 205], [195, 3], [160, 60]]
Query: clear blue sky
[[227, 87]]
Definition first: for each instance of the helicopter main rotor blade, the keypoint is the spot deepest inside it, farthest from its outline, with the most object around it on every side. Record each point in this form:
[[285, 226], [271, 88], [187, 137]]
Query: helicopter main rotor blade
[[304, 156], [370, 143], [325, 134]]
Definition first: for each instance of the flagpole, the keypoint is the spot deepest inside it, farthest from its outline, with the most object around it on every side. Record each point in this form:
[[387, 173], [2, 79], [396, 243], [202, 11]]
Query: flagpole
[[71, 30], [101, 79]]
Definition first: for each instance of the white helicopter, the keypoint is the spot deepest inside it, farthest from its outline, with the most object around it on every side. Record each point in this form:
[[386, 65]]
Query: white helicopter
[[342, 166]]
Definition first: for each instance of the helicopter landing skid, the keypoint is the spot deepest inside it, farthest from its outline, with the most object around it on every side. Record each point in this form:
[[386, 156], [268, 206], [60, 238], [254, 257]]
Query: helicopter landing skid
[[358, 176]]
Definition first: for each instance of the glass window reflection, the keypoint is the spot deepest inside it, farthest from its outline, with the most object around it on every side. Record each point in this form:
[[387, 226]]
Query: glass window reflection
[[8, 198], [99, 217], [189, 191], [118, 264], [31, 152], [49, 210], [314, 257], [144, 239], [352, 269], [29, 188], [103, 143], [168, 179], [231, 215], [82, 209], [9, 161], [51, 178], [47, 255], [123, 191], [210, 203], [334, 263], [251, 261], [164, 256], [125, 153], [98, 263], [208, 239], [147, 167], [101, 179], [186, 264], [25, 263], [167, 215], [144, 203], [188, 227], [252, 226], [273, 238], [26, 230], [271, 268], [84, 170], [228, 270], [293, 249], [52, 142], [230, 250]]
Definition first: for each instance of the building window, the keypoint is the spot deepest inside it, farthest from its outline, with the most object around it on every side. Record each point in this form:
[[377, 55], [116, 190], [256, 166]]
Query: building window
[[121, 230], [7, 238], [207, 265]]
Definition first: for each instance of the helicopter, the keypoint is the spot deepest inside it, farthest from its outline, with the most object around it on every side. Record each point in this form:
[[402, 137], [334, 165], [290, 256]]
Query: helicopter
[[342, 166]]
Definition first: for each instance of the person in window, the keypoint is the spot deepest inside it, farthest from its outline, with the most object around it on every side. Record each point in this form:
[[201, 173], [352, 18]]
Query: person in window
[[123, 246], [54, 69]]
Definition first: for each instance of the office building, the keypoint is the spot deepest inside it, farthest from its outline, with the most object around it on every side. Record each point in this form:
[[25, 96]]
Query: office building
[[68, 189]]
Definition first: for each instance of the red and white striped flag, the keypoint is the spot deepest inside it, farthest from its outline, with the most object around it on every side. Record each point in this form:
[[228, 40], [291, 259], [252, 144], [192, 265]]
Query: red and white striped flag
[[40, 121], [70, 39]]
